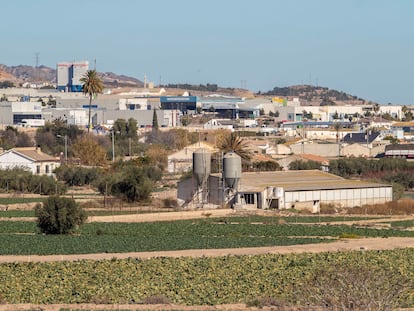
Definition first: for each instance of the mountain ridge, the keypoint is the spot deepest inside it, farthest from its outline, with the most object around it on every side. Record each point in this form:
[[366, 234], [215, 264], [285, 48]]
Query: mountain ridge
[[24, 73], [309, 94]]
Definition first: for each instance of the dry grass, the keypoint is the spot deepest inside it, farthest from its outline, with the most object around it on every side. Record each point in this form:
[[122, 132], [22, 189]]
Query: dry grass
[[401, 207]]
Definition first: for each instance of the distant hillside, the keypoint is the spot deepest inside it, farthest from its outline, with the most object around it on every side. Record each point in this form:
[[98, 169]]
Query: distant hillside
[[22, 73], [205, 89], [315, 95]]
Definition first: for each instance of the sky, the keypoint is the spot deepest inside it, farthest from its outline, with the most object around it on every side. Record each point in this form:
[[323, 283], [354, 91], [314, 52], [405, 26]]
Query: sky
[[362, 47]]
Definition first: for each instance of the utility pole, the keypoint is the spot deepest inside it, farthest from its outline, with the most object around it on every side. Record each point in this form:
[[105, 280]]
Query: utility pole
[[113, 146], [66, 148], [37, 59]]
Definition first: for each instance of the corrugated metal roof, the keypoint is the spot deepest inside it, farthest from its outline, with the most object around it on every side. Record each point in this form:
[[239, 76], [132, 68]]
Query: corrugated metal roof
[[299, 181], [399, 147]]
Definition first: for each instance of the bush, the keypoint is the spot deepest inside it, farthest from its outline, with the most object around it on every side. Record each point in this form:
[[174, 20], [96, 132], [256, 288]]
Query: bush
[[59, 215], [77, 176], [170, 202], [348, 287], [129, 182]]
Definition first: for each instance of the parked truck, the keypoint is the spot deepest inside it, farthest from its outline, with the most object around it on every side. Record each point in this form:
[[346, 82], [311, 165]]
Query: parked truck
[[31, 123]]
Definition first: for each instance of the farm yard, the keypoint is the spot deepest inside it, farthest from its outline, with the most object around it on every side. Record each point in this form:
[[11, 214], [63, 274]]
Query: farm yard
[[223, 257]]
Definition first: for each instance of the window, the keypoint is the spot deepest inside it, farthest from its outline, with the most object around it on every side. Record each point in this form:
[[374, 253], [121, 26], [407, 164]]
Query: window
[[47, 169], [248, 198], [37, 169]]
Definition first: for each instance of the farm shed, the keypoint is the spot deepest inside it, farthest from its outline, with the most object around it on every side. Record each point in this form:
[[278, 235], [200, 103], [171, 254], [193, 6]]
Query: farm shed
[[291, 189]]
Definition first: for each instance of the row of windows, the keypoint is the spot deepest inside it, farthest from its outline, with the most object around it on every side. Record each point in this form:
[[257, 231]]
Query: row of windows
[[48, 169]]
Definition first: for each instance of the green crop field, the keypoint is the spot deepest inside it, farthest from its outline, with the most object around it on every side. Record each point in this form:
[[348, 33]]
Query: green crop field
[[189, 281], [30, 213], [402, 224], [23, 238], [9, 201], [17, 213]]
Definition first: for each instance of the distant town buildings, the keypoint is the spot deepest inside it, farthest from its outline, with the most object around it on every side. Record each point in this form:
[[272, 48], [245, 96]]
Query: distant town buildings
[[69, 75]]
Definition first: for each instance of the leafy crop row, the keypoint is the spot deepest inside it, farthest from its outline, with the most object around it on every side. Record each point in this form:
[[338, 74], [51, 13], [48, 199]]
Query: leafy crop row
[[190, 281], [22, 238]]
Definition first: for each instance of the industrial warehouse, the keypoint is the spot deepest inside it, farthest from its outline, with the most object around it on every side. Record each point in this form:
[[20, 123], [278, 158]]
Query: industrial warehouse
[[272, 190]]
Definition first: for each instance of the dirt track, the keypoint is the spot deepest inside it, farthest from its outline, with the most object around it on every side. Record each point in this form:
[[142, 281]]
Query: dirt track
[[342, 245]]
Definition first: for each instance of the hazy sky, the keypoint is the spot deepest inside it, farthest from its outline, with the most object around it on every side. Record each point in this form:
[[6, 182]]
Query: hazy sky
[[363, 47]]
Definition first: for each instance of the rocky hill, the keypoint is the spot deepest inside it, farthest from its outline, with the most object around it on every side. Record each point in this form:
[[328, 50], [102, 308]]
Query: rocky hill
[[23, 73], [315, 95]]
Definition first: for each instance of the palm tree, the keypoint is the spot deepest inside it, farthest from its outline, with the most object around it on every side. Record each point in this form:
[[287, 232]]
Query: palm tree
[[233, 142], [337, 126], [92, 85]]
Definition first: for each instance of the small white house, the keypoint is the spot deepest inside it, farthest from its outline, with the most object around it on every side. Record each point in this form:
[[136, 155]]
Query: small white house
[[30, 158]]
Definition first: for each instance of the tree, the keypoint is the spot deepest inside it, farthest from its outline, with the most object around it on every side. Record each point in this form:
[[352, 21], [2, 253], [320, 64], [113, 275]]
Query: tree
[[132, 181], [304, 165], [126, 137], [155, 121], [185, 120], [51, 136], [59, 215], [4, 98], [92, 86], [233, 142], [337, 127], [89, 151]]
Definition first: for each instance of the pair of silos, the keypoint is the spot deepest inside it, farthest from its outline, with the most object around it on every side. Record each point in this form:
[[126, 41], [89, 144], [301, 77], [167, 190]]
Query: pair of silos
[[231, 168]]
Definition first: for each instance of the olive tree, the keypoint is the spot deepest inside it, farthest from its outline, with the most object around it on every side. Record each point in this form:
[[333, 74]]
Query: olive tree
[[59, 215]]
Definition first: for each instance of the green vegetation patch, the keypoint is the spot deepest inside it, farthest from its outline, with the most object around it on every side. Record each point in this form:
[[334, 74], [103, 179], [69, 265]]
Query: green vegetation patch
[[17, 213], [190, 281], [9, 201], [23, 238], [402, 224]]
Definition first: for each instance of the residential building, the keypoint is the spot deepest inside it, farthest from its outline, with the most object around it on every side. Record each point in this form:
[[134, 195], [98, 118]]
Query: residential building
[[30, 158]]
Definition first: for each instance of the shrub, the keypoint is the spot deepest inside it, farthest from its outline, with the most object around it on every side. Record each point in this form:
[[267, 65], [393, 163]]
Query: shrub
[[354, 287], [170, 202], [59, 215]]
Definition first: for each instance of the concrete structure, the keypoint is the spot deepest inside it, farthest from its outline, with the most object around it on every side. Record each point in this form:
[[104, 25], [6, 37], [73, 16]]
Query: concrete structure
[[215, 124], [186, 104], [286, 161], [310, 147], [400, 151], [221, 106], [320, 113], [286, 189], [181, 161], [30, 158], [69, 75]]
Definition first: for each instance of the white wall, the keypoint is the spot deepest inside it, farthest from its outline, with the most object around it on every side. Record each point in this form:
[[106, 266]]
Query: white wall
[[341, 197]]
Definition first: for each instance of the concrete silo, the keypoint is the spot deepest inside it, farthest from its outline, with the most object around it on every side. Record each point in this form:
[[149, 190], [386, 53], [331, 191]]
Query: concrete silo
[[201, 171], [231, 170]]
